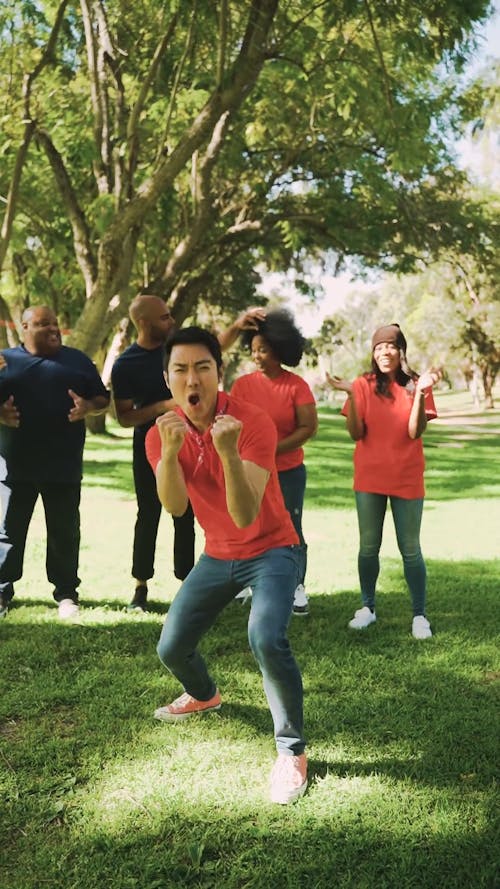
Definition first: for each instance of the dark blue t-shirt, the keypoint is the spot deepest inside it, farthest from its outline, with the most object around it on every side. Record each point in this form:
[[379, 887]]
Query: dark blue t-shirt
[[46, 446], [137, 375]]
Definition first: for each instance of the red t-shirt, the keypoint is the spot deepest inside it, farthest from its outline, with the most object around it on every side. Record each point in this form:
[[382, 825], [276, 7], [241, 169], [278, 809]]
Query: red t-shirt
[[386, 459], [205, 483], [279, 398]]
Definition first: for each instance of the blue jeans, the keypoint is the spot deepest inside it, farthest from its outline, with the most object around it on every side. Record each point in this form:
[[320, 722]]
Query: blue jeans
[[407, 516], [293, 486], [209, 587]]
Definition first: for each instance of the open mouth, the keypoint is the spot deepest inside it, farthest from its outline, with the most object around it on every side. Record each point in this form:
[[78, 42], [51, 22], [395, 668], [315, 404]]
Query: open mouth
[[194, 398]]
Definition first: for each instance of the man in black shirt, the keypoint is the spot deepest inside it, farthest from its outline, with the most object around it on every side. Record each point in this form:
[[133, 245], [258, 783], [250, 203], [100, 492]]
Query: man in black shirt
[[140, 396], [46, 391]]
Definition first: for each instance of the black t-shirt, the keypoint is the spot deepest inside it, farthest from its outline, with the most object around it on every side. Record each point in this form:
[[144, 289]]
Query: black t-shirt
[[46, 446], [137, 375]]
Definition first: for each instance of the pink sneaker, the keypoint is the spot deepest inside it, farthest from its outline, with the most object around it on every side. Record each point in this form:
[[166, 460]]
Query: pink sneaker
[[185, 706], [288, 778]]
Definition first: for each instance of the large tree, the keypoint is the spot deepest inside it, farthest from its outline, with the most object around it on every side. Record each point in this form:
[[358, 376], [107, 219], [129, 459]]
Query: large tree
[[177, 144]]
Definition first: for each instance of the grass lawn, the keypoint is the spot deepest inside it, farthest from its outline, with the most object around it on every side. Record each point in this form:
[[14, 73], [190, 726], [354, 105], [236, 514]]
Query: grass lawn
[[403, 735]]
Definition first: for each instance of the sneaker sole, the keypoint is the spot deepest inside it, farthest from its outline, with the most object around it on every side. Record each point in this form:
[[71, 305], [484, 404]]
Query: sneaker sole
[[165, 716], [291, 797], [353, 626], [300, 611]]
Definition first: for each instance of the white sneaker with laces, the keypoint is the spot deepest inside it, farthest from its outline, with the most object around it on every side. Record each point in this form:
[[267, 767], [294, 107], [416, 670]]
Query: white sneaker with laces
[[421, 628], [68, 609], [362, 619]]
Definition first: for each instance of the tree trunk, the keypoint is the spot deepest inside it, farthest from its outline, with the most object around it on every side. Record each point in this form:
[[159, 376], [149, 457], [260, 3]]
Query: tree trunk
[[96, 424], [488, 381]]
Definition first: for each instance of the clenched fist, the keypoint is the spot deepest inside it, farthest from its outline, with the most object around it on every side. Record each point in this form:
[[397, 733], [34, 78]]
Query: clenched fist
[[225, 434], [172, 431]]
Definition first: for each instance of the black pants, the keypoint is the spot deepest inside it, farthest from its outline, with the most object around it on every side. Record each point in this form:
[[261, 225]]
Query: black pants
[[147, 521], [61, 502]]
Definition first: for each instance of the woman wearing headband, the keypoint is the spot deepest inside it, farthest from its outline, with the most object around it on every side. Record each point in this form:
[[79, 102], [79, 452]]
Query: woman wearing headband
[[387, 411]]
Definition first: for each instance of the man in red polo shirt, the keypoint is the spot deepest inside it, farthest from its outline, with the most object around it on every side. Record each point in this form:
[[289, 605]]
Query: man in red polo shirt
[[219, 454]]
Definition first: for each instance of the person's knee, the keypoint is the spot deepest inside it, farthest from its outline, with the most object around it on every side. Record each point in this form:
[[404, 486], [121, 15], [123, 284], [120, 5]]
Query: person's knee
[[168, 650], [267, 643], [411, 555], [369, 549]]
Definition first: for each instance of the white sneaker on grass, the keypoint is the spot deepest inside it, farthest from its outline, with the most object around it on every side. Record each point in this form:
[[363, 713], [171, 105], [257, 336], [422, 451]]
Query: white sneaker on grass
[[68, 609], [421, 628], [362, 619], [300, 601]]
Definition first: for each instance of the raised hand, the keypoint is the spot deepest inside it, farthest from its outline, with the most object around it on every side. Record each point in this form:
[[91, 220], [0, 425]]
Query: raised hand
[[172, 431], [80, 407], [338, 384], [428, 379], [248, 319], [225, 434]]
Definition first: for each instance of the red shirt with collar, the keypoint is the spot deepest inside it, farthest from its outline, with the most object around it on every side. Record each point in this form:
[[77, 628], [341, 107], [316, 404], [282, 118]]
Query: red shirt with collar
[[205, 483]]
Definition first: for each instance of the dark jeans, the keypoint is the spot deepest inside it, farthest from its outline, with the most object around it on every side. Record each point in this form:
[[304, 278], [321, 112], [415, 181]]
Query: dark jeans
[[407, 516], [293, 486], [147, 521], [61, 503], [211, 585]]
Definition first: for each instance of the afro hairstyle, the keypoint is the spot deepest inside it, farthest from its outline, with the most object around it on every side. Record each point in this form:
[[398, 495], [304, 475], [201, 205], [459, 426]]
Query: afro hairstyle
[[281, 333]]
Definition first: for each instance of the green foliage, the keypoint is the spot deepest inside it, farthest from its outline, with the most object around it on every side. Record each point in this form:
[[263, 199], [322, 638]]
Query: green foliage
[[339, 147]]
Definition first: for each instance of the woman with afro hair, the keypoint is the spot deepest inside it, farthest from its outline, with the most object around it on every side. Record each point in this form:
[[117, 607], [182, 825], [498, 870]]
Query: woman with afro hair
[[287, 398]]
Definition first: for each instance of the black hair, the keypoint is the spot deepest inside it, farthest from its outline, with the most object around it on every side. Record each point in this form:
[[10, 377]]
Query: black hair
[[194, 336], [281, 333]]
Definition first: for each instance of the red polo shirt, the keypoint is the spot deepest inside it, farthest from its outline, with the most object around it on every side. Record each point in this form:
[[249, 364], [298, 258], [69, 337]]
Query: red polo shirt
[[205, 483]]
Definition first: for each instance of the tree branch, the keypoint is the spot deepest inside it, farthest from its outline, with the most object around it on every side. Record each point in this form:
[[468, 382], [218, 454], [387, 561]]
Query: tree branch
[[385, 76], [81, 235], [186, 248], [133, 121], [29, 128]]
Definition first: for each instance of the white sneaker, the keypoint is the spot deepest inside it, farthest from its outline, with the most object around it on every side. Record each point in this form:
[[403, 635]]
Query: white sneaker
[[243, 595], [362, 619], [68, 609], [300, 601], [421, 628]]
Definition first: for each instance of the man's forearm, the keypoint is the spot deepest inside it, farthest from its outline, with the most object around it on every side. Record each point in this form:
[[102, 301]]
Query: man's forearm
[[242, 499], [98, 405], [138, 416], [171, 487]]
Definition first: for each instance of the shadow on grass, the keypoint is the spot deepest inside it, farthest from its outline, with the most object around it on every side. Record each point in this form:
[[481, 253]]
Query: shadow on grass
[[459, 461], [380, 708]]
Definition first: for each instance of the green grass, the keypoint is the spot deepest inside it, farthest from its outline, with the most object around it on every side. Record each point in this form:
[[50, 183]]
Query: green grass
[[403, 736]]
